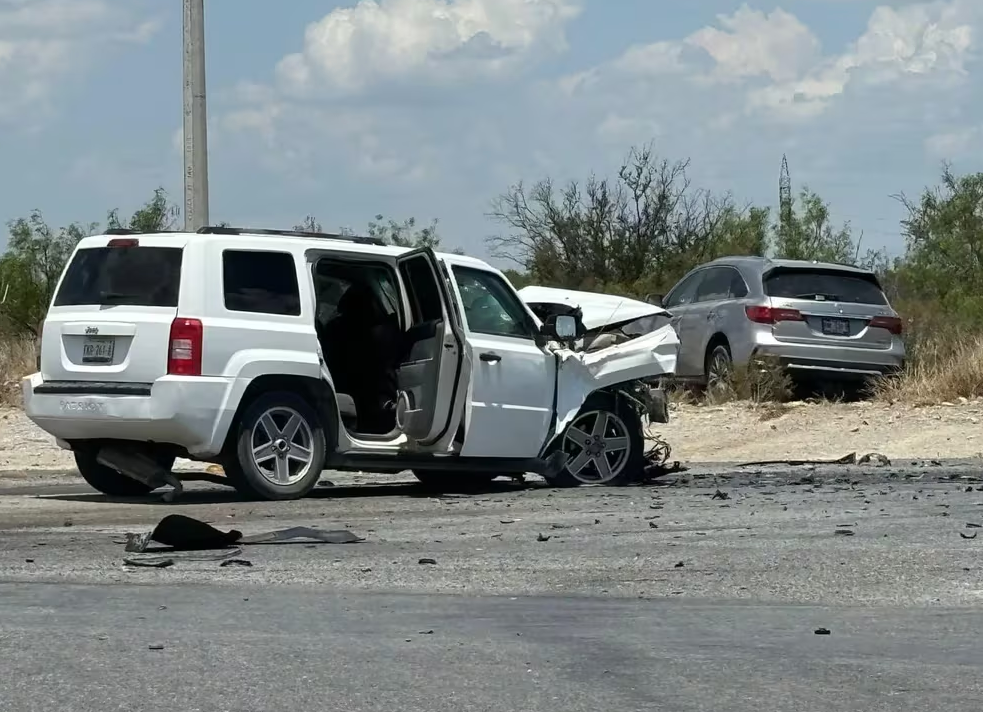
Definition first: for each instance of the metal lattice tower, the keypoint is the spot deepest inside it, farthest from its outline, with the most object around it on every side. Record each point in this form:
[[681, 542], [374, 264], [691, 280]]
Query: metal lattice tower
[[784, 200]]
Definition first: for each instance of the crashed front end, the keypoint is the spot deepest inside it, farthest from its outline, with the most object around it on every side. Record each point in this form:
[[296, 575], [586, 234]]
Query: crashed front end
[[628, 347]]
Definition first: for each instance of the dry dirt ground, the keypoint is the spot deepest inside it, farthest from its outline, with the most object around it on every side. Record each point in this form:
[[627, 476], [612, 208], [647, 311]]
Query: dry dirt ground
[[705, 434]]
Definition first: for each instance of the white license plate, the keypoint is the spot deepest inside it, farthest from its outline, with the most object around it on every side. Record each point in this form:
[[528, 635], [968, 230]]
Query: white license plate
[[97, 350], [836, 327]]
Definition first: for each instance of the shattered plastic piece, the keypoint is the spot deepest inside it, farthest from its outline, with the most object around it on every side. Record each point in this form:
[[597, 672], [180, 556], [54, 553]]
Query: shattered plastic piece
[[822, 631], [155, 562], [964, 535], [542, 537], [845, 532], [340, 536], [427, 562], [182, 533], [720, 495], [236, 562]]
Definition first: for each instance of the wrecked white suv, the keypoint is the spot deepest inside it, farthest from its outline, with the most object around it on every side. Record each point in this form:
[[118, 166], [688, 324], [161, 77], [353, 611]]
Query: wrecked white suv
[[278, 354]]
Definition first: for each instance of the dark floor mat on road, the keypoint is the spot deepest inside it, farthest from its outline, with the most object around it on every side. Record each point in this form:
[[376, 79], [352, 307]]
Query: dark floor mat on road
[[176, 532]]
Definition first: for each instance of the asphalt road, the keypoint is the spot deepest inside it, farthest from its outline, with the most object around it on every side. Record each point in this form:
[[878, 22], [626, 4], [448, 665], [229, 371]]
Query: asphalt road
[[670, 597]]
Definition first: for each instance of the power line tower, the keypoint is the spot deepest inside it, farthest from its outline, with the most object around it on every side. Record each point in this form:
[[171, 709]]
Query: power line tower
[[784, 202]]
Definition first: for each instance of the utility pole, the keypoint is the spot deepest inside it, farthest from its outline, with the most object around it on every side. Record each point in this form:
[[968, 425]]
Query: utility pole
[[195, 113]]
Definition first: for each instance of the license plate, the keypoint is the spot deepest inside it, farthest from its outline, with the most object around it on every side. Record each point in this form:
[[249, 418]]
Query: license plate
[[836, 327], [95, 350]]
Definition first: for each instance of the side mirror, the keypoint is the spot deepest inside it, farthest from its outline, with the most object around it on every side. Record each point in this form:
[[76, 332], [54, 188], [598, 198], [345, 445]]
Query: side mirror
[[655, 299], [563, 327]]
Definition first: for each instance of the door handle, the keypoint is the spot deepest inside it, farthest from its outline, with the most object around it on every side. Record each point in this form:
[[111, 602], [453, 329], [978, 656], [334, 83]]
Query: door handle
[[490, 357]]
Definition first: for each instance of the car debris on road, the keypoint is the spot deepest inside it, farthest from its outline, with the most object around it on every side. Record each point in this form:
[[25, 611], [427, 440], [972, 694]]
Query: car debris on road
[[178, 533]]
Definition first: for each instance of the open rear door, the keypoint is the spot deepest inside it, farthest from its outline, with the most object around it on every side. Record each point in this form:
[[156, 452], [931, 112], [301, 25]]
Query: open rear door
[[436, 369]]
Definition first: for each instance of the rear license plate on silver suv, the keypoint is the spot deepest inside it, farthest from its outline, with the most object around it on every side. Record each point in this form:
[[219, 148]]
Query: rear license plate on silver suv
[[836, 327], [98, 350]]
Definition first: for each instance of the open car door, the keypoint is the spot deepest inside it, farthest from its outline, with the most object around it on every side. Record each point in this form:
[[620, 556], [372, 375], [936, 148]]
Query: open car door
[[435, 370]]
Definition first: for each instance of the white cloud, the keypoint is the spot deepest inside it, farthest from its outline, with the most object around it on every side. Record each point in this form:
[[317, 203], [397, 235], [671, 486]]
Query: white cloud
[[434, 40], [950, 144], [42, 41]]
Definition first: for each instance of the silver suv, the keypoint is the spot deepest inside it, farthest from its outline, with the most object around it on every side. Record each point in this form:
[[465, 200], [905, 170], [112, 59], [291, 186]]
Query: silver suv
[[828, 321]]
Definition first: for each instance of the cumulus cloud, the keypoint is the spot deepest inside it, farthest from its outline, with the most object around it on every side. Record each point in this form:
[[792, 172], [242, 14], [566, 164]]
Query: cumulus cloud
[[353, 48], [42, 41]]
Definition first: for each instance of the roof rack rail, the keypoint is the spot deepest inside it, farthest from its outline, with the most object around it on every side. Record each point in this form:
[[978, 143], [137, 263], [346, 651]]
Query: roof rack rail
[[131, 231], [227, 230]]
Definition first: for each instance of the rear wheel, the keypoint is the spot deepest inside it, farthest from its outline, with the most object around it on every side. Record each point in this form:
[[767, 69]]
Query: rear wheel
[[604, 444], [280, 448], [109, 481]]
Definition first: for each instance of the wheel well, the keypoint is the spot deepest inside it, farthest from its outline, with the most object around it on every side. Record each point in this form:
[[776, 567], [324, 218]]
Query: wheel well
[[316, 392], [716, 340]]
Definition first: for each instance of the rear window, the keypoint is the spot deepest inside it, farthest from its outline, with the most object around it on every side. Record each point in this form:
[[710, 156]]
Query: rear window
[[824, 285], [126, 276]]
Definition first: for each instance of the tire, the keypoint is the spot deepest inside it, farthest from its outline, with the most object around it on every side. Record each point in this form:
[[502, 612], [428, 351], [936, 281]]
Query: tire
[[717, 358], [109, 481], [454, 480], [620, 417], [275, 474]]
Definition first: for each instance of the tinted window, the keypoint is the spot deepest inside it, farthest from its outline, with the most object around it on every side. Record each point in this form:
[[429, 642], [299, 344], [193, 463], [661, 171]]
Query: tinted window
[[423, 290], [491, 306], [715, 286], [824, 284], [130, 276], [260, 282], [684, 291]]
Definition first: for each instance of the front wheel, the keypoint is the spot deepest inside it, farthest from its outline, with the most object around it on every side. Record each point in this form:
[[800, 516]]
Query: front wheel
[[280, 448], [604, 444]]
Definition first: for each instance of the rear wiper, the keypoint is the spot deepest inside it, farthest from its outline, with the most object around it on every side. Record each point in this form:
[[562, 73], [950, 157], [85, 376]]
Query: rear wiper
[[818, 296]]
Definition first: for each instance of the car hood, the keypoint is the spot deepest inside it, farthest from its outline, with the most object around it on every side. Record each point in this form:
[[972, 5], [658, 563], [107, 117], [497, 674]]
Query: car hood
[[599, 310]]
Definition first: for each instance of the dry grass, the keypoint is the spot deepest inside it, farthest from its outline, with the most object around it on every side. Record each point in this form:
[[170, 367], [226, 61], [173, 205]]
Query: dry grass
[[943, 367], [17, 359]]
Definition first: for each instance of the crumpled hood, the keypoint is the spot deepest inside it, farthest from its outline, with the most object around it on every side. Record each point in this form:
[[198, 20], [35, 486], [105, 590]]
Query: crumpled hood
[[599, 310], [580, 374]]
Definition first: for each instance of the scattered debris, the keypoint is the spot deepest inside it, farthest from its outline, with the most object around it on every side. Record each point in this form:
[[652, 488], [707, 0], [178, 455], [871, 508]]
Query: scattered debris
[[425, 632], [155, 646], [851, 459], [653, 525], [178, 533], [236, 562], [427, 562], [964, 535], [844, 532], [542, 537], [973, 525], [822, 631], [679, 565], [28, 561], [720, 495], [657, 462], [156, 562]]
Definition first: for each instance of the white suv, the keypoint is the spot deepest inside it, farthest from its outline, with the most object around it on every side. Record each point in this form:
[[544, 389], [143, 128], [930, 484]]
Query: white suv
[[278, 354]]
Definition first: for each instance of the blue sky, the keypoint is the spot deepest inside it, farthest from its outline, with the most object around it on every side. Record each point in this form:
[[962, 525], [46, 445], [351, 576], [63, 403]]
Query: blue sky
[[430, 108]]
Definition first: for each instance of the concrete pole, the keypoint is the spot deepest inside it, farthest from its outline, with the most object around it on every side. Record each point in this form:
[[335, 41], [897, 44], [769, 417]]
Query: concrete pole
[[195, 113]]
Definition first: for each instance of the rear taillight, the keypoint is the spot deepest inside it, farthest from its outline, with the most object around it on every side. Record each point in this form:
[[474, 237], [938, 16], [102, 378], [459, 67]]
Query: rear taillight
[[891, 323], [769, 315], [184, 349]]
